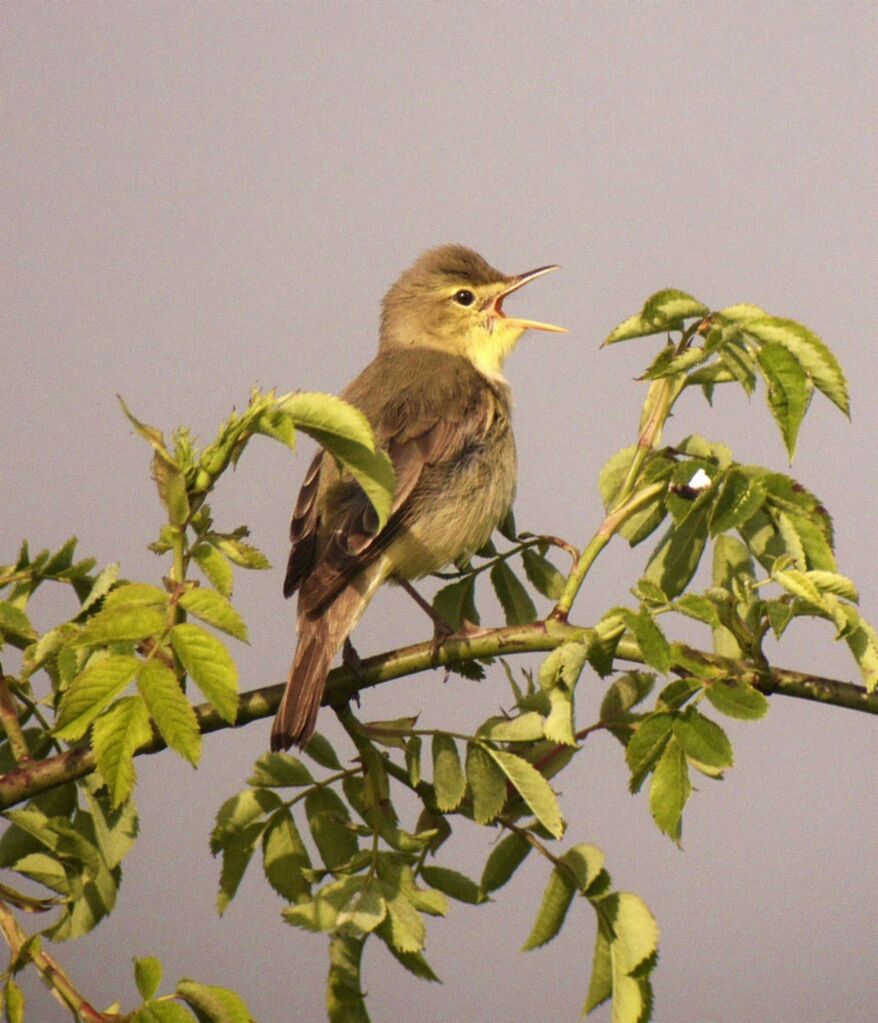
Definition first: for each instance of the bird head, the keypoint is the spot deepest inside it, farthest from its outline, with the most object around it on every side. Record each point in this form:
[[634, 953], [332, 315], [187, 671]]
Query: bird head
[[452, 299]]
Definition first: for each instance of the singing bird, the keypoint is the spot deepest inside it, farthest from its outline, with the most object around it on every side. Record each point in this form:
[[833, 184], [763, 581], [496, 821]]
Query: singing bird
[[439, 406]]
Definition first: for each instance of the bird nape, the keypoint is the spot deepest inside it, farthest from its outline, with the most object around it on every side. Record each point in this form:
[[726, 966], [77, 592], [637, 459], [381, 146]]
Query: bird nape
[[439, 405]]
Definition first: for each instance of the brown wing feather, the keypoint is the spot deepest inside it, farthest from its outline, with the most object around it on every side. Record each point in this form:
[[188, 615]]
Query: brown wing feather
[[427, 420]]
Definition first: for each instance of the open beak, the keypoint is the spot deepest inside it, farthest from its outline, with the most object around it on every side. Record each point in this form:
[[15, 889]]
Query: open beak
[[496, 308]]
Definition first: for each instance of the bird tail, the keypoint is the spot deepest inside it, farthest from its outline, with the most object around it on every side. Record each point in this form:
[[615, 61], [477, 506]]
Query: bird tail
[[320, 638]]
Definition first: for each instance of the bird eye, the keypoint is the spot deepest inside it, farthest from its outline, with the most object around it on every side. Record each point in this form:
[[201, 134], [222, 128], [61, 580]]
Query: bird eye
[[464, 297]]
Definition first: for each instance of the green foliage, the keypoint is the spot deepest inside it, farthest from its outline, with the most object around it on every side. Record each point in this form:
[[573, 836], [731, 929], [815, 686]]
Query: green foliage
[[356, 846]]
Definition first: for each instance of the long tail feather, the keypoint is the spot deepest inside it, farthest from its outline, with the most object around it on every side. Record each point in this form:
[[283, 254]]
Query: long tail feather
[[320, 639]]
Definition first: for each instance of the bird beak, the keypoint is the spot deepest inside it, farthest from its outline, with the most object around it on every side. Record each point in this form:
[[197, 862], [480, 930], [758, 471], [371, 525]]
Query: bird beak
[[496, 307]]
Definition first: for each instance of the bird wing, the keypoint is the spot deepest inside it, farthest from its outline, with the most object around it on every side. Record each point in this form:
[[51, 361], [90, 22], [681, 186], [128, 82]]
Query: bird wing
[[440, 403]]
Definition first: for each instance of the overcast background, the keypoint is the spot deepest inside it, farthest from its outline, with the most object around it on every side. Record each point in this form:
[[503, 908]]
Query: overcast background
[[202, 197]]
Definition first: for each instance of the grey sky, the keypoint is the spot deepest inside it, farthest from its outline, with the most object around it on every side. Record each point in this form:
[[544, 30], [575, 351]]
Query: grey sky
[[202, 197]]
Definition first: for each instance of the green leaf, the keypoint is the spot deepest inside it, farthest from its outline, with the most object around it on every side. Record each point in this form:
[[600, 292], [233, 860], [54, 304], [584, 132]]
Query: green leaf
[[210, 666], [115, 737], [788, 390], [135, 594], [101, 586], [625, 693], [586, 863], [366, 911], [330, 825], [244, 555], [279, 770], [703, 740], [675, 559], [213, 1004], [215, 565], [320, 750], [525, 728], [655, 648], [632, 935], [832, 582], [238, 812], [284, 857], [454, 602], [122, 622], [665, 310], [669, 790], [161, 1012], [91, 692], [407, 931], [600, 985], [170, 710], [504, 859], [487, 784], [543, 575], [737, 700], [453, 884], [816, 359], [533, 788], [13, 996], [556, 901], [563, 666], [517, 605], [345, 432], [148, 976], [646, 746], [321, 912], [213, 608], [699, 608], [449, 780], [237, 852], [740, 496]]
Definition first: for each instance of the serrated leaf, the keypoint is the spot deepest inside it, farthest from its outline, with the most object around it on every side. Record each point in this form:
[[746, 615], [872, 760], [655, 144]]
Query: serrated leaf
[[737, 700], [320, 750], [366, 910], [115, 737], [161, 1012], [832, 582], [525, 728], [101, 586], [329, 821], [244, 555], [788, 390], [213, 608], [237, 852], [122, 622], [238, 812], [213, 1004], [699, 608], [669, 790], [815, 357], [504, 859], [740, 496], [345, 432], [91, 692], [555, 902], [133, 594], [214, 564], [665, 310], [655, 648], [600, 985], [533, 789], [487, 784], [454, 602], [633, 941], [449, 780], [625, 693], [170, 710], [210, 666], [676, 558], [543, 575], [517, 606], [454, 884], [407, 931], [646, 746], [147, 976], [321, 912], [279, 770], [284, 857], [563, 666], [703, 740]]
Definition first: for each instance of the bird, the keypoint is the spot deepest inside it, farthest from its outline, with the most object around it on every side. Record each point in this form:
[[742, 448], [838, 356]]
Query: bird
[[439, 405]]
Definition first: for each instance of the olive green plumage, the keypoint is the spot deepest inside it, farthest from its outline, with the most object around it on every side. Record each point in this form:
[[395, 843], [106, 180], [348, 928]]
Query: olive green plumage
[[440, 407]]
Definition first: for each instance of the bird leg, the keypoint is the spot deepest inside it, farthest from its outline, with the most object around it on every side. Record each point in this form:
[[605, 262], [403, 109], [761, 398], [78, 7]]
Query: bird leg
[[442, 629]]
